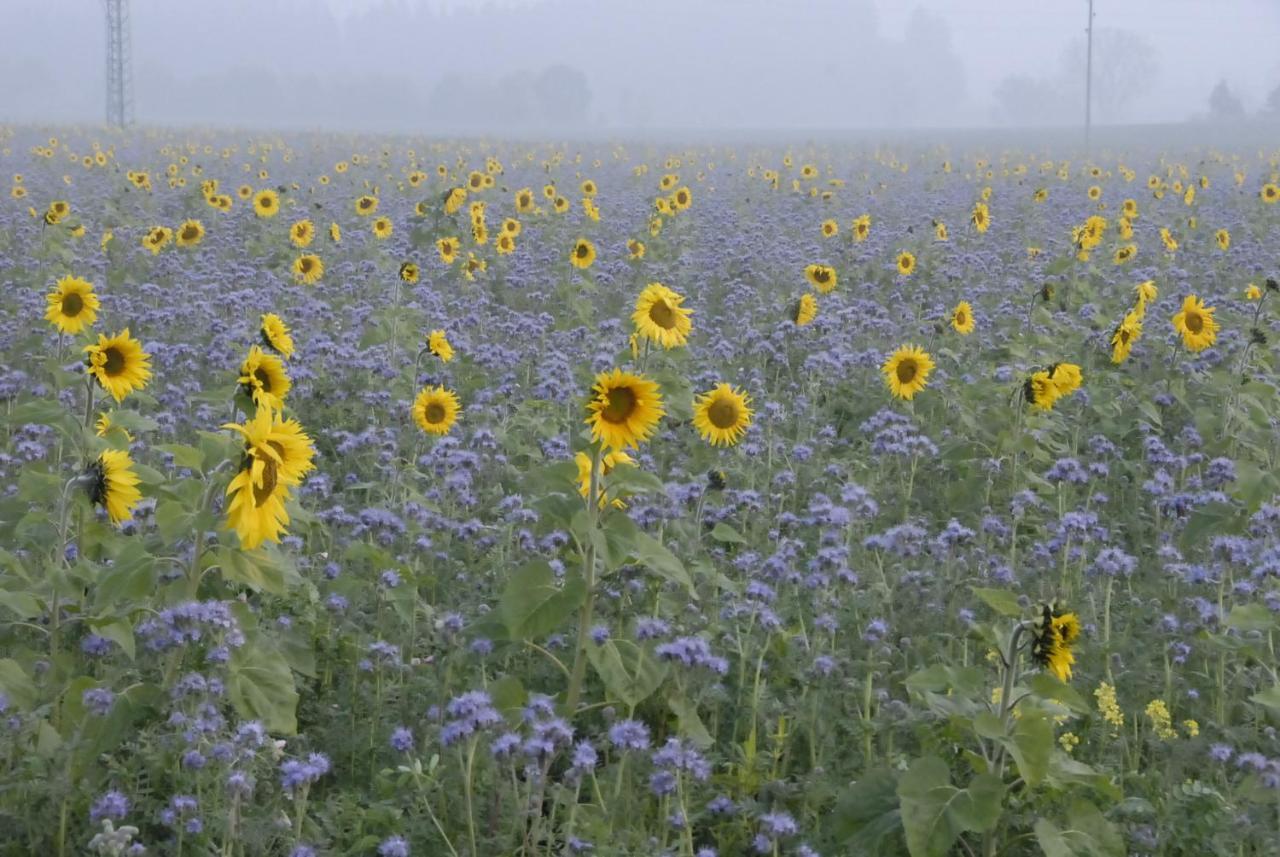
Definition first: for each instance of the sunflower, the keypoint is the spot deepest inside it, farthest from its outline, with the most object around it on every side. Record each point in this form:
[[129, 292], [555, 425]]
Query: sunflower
[[156, 239], [104, 426], [861, 228], [939, 230], [907, 371], [1196, 324], [448, 250], [1066, 378], [608, 462], [821, 277], [583, 254], [275, 334], [1253, 293], [453, 200], [438, 344], [524, 200], [266, 203], [1170, 243], [409, 272], [962, 318], [635, 249], [190, 233], [382, 228], [1223, 237], [113, 484], [118, 363], [435, 410], [624, 409], [56, 212], [1146, 293], [262, 376], [512, 227], [588, 188], [1270, 193], [366, 205], [1055, 632], [682, 199], [1127, 332], [906, 263], [804, 310], [722, 415], [474, 265], [335, 233], [1095, 193], [980, 217], [72, 305], [277, 454], [302, 233], [308, 269], [659, 316], [1124, 253]]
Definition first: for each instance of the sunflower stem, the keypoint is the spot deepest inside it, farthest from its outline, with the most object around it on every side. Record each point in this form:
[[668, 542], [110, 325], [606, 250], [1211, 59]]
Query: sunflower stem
[[88, 402], [588, 578]]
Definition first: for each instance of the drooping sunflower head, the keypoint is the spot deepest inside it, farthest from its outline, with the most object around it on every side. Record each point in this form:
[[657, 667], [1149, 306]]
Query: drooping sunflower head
[[1196, 324], [118, 363], [624, 409], [275, 334], [583, 254], [722, 415], [438, 345], [263, 378], [308, 269], [608, 462], [962, 318], [113, 484], [436, 410], [906, 263], [660, 316], [190, 233], [1039, 391], [821, 277], [72, 305], [804, 310], [906, 371], [266, 203], [1054, 632], [1123, 338]]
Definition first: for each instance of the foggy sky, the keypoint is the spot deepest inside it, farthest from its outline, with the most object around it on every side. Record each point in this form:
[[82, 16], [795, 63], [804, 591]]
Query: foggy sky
[[452, 65]]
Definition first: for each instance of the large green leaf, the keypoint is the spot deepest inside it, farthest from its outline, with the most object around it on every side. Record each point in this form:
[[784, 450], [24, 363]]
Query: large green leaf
[[16, 684], [1003, 601], [1030, 742], [1088, 834], [935, 812], [691, 725], [534, 604], [654, 555], [867, 819], [628, 672], [261, 686]]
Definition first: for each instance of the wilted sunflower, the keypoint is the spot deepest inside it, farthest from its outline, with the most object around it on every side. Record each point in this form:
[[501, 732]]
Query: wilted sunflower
[[409, 272], [583, 254], [190, 233], [608, 462], [435, 410], [1054, 633], [263, 378], [624, 409], [382, 228], [72, 305], [438, 345], [804, 310], [821, 277], [722, 415], [113, 484], [266, 203], [962, 318], [118, 363], [659, 316], [1196, 324], [906, 263], [275, 334], [907, 371], [366, 205], [448, 249], [277, 454], [308, 269], [1128, 332], [302, 233]]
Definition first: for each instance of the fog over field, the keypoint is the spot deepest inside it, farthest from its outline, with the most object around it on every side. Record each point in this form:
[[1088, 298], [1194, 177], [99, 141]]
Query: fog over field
[[533, 65]]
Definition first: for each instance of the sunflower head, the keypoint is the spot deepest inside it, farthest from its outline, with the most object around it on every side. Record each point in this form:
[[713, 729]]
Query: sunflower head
[[118, 363], [190, 233], [302, 233], [722, 415], [906, 371], [821, 277], [266, 203], [438, 345], [624, 409], [263, 378], [962, 318], [113, 484], [906, 263], [1054, 633], [436, 410], [409, 272], [660, 316], [72, 305], [275, 334], [804, 310], [583, 254], [1196, 324], [308, 269]]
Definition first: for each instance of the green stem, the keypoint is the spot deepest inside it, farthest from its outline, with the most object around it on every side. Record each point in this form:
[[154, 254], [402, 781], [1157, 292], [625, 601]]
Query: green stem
[[588, 577]]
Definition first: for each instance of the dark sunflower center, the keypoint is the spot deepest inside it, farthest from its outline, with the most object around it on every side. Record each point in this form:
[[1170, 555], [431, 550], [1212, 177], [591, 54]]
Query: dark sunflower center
[[1195, 322], [98, 488], [1124, 337], [906, 371], [662, 314], [305, 265], [435, 413], [191, 233], [113, 361], [263, 377], [822, 275], [582, 251], [366, 203], [270, 478], [621, 405], [72, 304], [961, 318], [723, 414]]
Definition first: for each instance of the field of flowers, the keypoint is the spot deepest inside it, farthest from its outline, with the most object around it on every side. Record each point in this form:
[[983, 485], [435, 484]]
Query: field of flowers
[[389, 496]]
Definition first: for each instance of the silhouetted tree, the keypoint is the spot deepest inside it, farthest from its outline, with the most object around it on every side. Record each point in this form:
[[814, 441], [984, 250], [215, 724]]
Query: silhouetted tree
[[562, 94], [1224, 106]]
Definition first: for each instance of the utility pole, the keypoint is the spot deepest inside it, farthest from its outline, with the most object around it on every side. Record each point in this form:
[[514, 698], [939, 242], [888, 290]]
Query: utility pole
[[119, 65], [1088, 79]]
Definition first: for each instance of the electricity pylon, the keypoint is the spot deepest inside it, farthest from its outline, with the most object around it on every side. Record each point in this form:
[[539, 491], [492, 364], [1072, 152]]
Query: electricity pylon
[[119, 65]]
